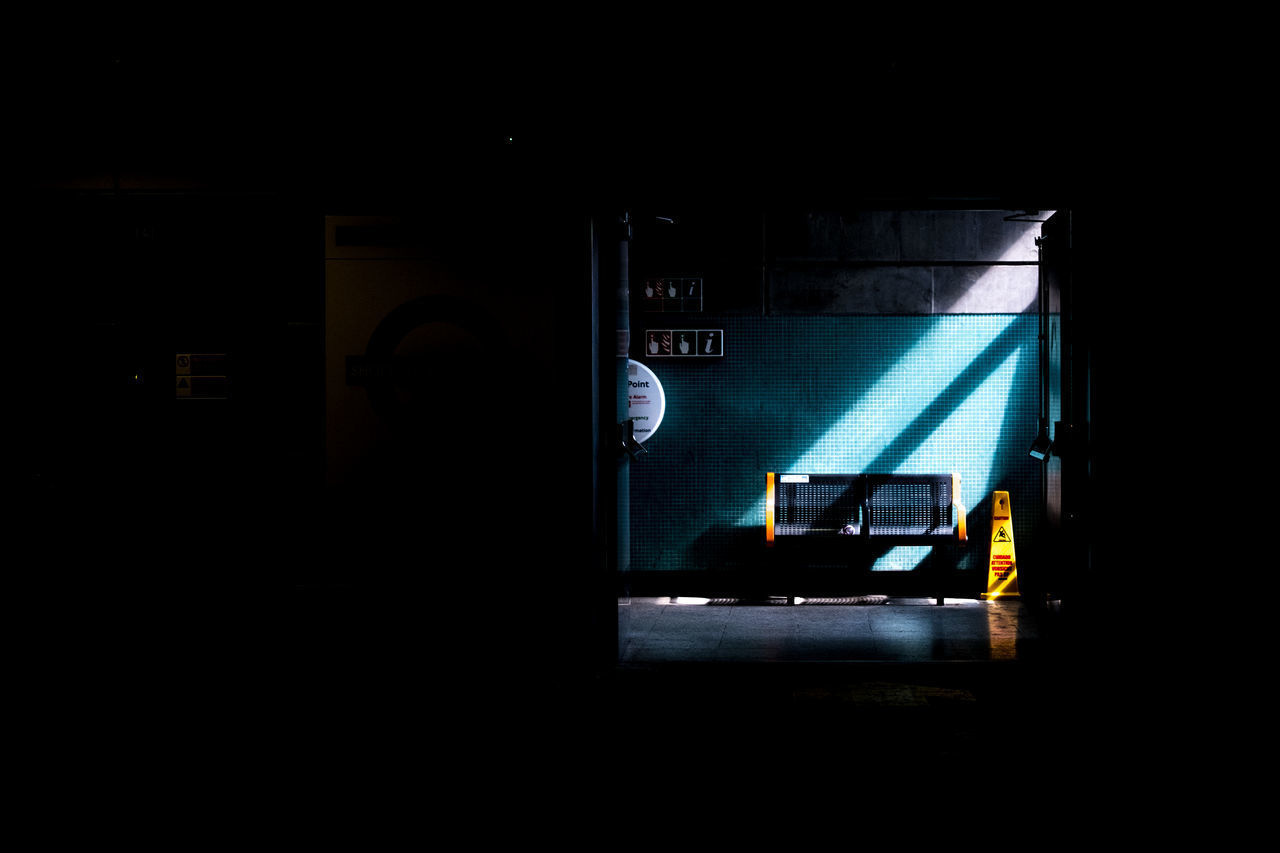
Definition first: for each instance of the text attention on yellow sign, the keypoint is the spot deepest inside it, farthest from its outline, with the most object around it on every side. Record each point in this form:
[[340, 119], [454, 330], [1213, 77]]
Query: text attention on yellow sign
[[1002, 569]]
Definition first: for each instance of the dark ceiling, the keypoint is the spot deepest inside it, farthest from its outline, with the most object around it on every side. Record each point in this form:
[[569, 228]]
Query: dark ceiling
[[862, 118]]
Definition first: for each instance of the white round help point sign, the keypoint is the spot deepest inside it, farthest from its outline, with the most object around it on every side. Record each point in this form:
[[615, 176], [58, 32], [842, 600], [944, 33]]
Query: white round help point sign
[[646, 403]]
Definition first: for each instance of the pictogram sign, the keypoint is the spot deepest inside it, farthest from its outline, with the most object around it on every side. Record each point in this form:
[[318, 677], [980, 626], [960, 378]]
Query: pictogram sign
[[671, 293], [684, 343], [201, 376]]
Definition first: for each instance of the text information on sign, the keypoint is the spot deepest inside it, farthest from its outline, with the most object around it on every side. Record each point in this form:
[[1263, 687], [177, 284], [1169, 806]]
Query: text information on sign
[[646, 401]]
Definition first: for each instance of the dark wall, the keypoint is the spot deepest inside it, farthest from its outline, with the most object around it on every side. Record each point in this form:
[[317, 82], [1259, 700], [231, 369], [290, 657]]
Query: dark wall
[[173, 197], [115, 288]]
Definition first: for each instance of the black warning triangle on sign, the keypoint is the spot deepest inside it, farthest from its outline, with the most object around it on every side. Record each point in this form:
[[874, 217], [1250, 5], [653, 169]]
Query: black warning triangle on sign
[[1002, 535], [182, 383]]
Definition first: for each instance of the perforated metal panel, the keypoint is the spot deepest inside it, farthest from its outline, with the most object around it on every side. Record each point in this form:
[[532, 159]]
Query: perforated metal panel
[[908, 506], [921, 508], [827, 504]]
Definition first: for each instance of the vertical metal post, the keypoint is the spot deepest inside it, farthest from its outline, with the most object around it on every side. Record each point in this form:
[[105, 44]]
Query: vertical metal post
[[610, 467], [603, 582], [622, 316]]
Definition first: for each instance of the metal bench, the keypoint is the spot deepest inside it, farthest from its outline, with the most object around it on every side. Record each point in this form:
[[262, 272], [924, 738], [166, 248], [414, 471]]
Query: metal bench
[[892, 509]]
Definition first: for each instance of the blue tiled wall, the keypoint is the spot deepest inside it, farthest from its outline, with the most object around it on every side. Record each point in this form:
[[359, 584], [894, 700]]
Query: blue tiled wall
[[853, 393]]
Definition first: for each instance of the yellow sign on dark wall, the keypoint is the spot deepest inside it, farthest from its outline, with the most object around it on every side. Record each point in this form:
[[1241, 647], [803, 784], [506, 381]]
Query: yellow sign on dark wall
[[1002, 568], [201, 376]]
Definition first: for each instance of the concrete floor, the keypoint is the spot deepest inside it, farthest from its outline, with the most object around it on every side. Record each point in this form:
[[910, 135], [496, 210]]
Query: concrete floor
[[905, 677], [721, 716], [860, 629], [705, 693]]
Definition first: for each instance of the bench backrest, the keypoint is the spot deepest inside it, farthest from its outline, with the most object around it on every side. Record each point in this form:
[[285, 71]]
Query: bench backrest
[[905, 507]]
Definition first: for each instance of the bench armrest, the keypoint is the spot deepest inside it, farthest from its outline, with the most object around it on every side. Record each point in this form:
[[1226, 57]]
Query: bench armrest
[[957, 507]]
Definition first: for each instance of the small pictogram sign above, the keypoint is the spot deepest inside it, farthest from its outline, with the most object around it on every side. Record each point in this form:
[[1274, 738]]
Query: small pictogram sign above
[[671, 294]]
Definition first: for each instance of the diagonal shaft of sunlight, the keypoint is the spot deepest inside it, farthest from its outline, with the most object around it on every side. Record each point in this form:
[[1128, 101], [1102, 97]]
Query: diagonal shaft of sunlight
[[887, 424]]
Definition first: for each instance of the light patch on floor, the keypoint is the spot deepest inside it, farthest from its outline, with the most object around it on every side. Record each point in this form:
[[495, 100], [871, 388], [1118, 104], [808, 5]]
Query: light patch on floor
[[885, 695]]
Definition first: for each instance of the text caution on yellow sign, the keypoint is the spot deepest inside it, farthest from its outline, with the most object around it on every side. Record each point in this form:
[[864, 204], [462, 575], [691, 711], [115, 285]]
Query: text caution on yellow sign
[[1002, 572]]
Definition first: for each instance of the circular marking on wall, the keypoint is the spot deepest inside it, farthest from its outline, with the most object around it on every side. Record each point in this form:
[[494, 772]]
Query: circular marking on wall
[[646, 401]]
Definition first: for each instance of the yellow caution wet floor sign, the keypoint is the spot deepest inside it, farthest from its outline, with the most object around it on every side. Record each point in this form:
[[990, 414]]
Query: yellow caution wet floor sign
[[1002, 570]]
